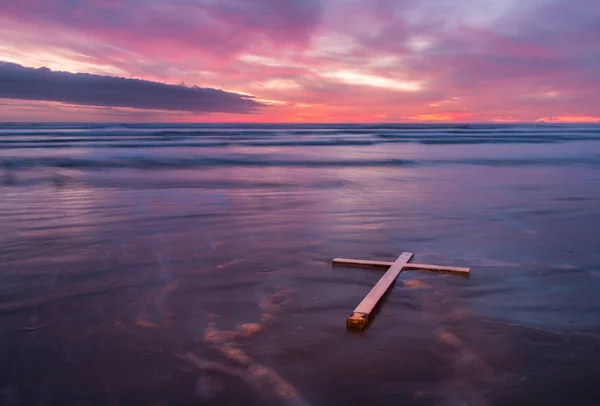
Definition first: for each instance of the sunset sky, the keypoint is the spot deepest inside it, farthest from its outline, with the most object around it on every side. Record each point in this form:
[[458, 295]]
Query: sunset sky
[[300, 60]]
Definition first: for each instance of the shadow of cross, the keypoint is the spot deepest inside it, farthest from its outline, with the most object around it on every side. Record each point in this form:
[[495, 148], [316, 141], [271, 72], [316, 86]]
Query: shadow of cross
[[364, 311]]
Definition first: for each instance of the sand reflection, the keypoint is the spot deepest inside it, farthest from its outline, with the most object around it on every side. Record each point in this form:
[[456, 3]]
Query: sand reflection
[[261, 379]]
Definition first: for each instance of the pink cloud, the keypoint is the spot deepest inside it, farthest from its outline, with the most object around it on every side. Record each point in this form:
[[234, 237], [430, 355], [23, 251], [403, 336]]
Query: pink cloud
[[473, 60]]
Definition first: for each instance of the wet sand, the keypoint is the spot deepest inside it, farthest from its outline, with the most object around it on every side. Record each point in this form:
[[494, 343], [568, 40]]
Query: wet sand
[[213, 285]]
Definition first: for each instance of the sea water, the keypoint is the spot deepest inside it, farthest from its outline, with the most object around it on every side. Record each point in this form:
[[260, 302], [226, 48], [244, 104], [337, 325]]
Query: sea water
[[191, 264]]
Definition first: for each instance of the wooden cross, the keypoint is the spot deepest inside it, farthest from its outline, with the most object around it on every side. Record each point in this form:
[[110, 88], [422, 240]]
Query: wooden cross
[[361, 315]]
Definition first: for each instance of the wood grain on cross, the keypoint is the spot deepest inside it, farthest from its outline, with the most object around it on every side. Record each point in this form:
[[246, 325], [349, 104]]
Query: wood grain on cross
[[362, 314]]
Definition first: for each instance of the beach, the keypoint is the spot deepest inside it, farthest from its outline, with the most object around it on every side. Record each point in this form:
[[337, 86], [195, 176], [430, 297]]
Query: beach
[[185, 264]]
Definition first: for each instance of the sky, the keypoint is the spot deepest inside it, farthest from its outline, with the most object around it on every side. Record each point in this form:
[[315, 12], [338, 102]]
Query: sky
[[300, 60]]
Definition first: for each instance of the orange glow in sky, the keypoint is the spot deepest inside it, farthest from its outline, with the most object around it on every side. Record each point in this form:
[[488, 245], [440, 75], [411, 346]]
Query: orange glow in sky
[[300, 61]]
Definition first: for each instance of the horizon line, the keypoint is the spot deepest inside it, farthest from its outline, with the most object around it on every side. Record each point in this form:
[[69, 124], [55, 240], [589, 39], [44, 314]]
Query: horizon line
[[305, 122]]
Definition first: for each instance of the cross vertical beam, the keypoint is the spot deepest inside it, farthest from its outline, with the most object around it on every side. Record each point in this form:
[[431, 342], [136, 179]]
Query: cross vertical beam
[[362, 314], [360, 317]]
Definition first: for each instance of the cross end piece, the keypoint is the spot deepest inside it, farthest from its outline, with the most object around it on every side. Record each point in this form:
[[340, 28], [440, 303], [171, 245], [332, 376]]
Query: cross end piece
[[357, 321]]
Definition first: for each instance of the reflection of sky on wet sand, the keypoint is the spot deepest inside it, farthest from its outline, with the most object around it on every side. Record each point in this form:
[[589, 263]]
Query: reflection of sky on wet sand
[[214, 284]]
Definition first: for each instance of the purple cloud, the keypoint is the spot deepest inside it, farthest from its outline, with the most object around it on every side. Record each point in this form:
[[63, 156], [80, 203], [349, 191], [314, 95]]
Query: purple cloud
[[19, 82]]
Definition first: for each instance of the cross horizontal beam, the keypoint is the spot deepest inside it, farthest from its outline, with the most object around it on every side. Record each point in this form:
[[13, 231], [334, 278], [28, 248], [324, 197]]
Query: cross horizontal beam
[[385, 264]]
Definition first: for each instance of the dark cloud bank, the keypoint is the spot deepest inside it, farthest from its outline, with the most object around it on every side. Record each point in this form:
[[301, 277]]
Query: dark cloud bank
[[19, 82]]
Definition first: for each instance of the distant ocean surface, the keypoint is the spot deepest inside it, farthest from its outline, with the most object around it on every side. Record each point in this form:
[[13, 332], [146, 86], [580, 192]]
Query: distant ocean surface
[[145, 264]]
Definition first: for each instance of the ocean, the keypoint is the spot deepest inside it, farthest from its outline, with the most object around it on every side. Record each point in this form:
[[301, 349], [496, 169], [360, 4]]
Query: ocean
[[172, 264]]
